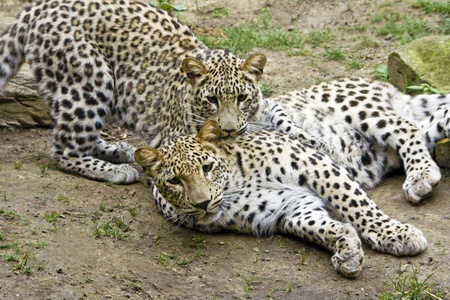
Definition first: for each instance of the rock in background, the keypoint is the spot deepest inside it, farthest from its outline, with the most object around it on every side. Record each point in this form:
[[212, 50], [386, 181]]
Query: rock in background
[[425, 60], [21, 104]]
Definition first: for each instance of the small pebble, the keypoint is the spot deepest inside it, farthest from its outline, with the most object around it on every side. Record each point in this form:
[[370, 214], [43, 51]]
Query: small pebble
[[221, 243]]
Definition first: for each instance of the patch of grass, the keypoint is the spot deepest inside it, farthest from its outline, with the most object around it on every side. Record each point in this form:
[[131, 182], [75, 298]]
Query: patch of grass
[[111, 185], [318, 37], [10, 214], [334, 54], [39, 244], [18, 165], [355, 63], [405, 29], [433, 7], [43, 168], [302, 256], [361, 27], [220, 12], [43, 200], [2, 236], [164, 258], [269, 87], [367, 43], [409, 286], [63, 198], [114, 228], [385, 3], [52, 216], [288, 288], [169, 5], [14, 246], [250, 282], [242, 38]]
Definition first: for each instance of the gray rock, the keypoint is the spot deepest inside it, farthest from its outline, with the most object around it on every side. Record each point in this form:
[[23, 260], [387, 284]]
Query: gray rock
[[21, 104], [425, 60]]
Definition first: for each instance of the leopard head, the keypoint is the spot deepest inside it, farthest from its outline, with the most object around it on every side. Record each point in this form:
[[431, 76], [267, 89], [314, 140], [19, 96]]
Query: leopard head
[[226, 89], [189, 171]]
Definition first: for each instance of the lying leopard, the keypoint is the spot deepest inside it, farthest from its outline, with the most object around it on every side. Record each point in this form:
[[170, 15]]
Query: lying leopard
[[264, 183], [371, 128]]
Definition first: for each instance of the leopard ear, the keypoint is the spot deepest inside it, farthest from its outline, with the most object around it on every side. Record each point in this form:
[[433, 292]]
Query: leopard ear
[[255, 65], [209, 133], [194, 69], [148, 158]]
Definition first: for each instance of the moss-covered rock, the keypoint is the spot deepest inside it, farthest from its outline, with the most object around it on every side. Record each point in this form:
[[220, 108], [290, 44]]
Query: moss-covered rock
[[426, 60]]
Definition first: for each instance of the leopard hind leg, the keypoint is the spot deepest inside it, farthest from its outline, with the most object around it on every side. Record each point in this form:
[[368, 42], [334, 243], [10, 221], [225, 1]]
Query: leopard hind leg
[[81, 94]]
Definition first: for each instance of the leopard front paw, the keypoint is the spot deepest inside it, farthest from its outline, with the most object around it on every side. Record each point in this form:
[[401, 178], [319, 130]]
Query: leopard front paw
[[349, 256], [402, 240], [121, 174], [418, 185]]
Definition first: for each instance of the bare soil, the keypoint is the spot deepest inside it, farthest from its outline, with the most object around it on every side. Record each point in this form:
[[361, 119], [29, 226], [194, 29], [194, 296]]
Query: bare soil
[[161, 261]]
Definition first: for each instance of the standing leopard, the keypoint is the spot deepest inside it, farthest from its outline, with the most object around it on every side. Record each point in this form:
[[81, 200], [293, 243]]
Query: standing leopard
[[370, 128], [264, 183], [131, 62]]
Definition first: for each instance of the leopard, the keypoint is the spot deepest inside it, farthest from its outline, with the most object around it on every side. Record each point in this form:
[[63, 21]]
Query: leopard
[[372, 129], [266, 182], [128, 62]]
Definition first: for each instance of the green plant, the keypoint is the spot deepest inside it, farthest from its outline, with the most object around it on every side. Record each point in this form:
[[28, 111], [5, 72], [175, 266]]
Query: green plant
[[220, 12], [52, 216], [334, 54], [262, 33], [431, 6], [268, 87], [114, 228], [423, 88], [318, 37], [10, 213], [18, 165], [409, 286], [111, 184], [63, 198], [43, 168], [382, 73], [168, 5], [302, 256]]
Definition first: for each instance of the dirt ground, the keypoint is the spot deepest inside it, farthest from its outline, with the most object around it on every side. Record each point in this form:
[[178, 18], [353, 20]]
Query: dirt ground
[[61, 257]]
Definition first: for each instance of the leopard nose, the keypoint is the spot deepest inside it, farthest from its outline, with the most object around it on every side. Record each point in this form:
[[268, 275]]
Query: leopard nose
[[203, 205]]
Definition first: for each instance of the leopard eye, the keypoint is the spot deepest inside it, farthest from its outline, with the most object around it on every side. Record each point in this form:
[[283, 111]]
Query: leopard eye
[[207, 168], [241, 98], [174, 181], [212, 99]]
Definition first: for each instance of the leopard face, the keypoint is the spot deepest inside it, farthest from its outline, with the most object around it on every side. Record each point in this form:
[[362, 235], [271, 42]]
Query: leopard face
[[226, 90], [192, 181]]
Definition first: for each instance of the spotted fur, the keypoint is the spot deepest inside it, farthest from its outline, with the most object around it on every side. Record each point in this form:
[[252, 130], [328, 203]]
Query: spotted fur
[[264, 183], [370, 128]]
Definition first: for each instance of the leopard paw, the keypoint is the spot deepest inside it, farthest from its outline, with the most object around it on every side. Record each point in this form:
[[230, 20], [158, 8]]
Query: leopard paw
[[348, 258], [402, 240], [418, 185], [121, 174]]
